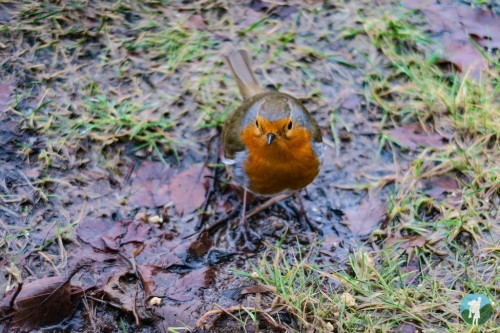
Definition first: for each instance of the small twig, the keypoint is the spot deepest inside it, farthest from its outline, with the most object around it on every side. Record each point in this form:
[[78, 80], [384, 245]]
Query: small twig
[[18, 290], [129, 173]]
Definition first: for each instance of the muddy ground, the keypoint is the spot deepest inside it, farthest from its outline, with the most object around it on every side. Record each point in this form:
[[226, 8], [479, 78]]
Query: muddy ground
[[136, 208]]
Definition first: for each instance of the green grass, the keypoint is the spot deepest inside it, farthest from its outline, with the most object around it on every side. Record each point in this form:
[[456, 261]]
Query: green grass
[[100, 118], [157, 46], [298, 288], [174, 46]]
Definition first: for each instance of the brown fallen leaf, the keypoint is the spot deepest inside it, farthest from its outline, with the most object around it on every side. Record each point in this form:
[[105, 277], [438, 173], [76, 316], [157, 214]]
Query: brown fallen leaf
[[198, 278], [40, 303], [456, 25], [413, 136], [257, 289], [444, 188], [180, 314], [405, 242], [196, 22], [6, 91], [188, 188], [405, 328], [111, 236], [185, 287], [150, 185], [465, 57], [411, 272], [200, 246], [363, 218], [102, 235], [121, 289]]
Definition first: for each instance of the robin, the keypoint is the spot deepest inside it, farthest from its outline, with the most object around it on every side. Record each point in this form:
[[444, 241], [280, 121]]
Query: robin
[[272, 144]]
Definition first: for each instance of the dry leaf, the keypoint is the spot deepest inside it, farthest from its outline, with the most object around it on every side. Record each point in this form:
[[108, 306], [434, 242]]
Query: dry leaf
[[459, 24], [184, 289], [444, 188], [413, 136], [364, 217], [196, 22], [6, 91], [405, 242], [188, 188], [150, 185], [40, 303], [256, 289], [405, 328]]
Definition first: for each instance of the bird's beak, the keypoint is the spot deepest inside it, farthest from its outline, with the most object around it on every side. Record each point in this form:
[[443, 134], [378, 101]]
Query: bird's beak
[[270, 138]]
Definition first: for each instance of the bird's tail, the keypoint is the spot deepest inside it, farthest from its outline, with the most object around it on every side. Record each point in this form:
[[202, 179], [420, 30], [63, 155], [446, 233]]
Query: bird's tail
[[239, 64]]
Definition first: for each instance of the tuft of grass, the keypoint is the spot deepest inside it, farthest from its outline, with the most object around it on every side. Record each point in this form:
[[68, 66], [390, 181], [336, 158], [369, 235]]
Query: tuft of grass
[[174, 46], [299, 290], [374, 291], [103, 119]]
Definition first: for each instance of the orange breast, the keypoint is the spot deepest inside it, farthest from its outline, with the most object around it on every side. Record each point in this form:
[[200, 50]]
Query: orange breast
[[289, 163]]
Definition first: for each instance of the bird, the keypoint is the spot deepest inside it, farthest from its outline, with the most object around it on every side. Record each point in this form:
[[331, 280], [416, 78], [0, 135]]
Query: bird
[[272, 144]]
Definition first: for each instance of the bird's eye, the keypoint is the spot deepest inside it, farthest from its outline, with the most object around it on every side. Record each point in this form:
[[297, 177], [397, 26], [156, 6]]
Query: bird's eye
[[290, 125]]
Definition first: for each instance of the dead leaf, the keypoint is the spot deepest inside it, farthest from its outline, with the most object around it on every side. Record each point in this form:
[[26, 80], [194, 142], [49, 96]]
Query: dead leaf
[[111, 236], [146, 273], [257, 289], [200, 246], [405, 328], [443, 188], [179, 314], [412, 136], [122, 289], [136, 233], [364, 217], [198, 278], [40, 303], [405, 242], [102, 235], [150, 185], [196, 22], [6, 91], [351, 102], [164, 251], [188, 188], [411, 272], [465, 57], [185, 287], [456, 25]]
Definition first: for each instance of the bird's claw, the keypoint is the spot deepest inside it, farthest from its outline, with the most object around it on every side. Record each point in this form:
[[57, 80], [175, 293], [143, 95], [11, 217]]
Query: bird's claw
[[247, 235]]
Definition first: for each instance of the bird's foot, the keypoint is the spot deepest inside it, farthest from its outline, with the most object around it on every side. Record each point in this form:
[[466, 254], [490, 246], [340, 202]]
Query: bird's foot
[[244, 233]]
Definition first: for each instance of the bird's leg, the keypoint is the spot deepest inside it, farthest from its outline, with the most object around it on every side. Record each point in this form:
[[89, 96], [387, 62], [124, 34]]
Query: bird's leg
[[243, 230], [314, 227]]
